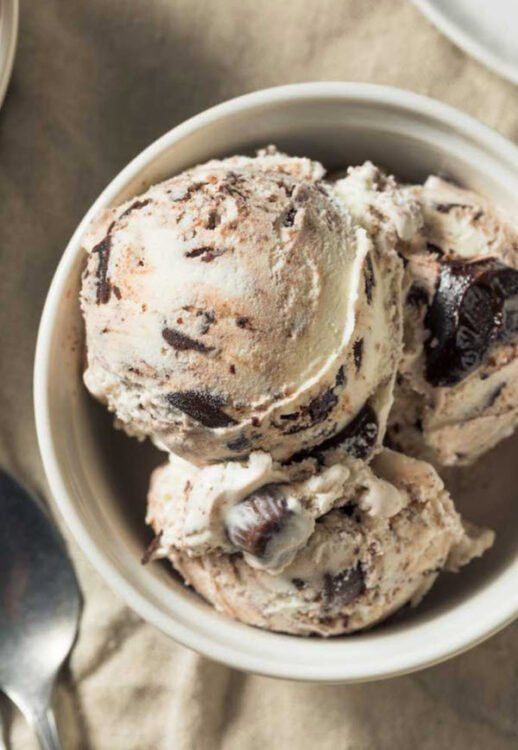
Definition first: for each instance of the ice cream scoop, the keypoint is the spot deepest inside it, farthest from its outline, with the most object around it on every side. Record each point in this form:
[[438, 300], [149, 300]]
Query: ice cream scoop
[[457, 392], [242, 306], [373, 538]]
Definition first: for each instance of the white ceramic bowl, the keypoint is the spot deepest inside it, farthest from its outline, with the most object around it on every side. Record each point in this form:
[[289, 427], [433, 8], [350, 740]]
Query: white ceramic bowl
[[98, 476]]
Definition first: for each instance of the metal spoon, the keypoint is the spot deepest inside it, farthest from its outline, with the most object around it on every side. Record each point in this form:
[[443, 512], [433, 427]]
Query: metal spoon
[[40, 605], [2, 743]]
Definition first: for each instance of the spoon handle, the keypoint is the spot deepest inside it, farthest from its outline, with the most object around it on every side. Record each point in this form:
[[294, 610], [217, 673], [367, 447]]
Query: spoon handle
[[2, 734], [44, 725]]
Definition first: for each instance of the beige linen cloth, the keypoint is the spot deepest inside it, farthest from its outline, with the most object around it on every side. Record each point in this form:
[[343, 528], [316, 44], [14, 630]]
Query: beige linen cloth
[[95, 81]]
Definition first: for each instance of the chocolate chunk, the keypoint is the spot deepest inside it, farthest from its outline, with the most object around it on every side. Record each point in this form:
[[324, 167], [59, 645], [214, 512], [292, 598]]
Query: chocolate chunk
[[183, 343], [341, 377], [152, 548], [370, 279], [474, 307], [358, 353], [197, 252], [187, 192], [321, 406], [243, 322], [206, 254], [201, 406], [299, 584], [134, 207], [213, 220], [254, 522], [233, 186], [208, 319], [116, 291], [342, 588], [317, 410], [289, 217], [239, 444], [103, 249], [357, 438]]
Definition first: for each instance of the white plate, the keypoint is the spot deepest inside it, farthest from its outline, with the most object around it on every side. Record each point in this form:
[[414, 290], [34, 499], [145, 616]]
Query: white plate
[[486, 29], [8, 36]]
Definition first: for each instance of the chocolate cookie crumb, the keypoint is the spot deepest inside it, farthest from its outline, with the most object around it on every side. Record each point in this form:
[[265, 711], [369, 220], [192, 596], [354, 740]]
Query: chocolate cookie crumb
[[369, 277], [239, 444], [213, 220], [201, 406], [134, 207], [206, 254], [357, 438], [340, 376], [243, 322], [321, 406], [445, 208], [182, 343], [358, 354], [474, 307], [341, 588], [103, 249], [289, 217]]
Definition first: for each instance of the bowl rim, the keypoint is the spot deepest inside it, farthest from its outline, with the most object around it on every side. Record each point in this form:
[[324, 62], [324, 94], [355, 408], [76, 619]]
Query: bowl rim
[[495, 618]]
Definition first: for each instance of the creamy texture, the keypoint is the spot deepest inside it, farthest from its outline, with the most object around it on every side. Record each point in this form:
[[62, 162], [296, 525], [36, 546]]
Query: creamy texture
[[240, 306], [380, 205], [454, 423], [214, 508], [194, 508], [357, 567]]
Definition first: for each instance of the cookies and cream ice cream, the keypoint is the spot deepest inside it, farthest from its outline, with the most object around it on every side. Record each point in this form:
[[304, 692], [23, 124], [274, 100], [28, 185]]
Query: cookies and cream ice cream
[[242, 306], [331, 553], [247, 316], [457, 393]]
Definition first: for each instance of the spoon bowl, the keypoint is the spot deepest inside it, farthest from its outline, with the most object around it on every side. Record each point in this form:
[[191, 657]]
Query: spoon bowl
[[40, 604]]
